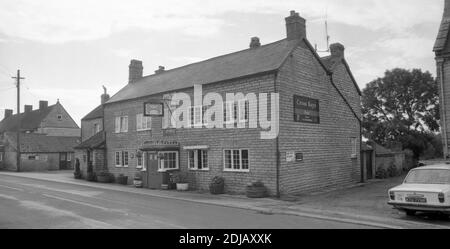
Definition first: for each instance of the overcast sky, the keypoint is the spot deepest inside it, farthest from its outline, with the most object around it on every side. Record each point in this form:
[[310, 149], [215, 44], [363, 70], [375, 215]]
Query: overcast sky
[[68, 49]]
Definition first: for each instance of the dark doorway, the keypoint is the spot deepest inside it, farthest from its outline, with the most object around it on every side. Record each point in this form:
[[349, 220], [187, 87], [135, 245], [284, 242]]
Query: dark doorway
[[368, 155], [64, 162]]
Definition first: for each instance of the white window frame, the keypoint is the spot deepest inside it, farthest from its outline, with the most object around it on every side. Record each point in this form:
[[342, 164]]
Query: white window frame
[[244, 110], [195, 163], [121, 124], [226, 110], [125, 164], [143, 123], [142, 159], [354, 144], [118, 153], [197, 116], [161, 161], [232, 161]]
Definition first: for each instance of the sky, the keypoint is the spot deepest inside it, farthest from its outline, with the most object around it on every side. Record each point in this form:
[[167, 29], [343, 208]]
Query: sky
[[69, 49]]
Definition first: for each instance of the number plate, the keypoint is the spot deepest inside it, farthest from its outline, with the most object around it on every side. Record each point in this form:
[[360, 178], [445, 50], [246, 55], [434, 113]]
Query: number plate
[[416, 200]]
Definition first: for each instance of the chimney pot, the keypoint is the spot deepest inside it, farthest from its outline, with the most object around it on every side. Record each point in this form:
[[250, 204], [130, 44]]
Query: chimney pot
[[105, 96], [295, 26], [337, 50], [135, 71], [28, 108], [8, 113], [161, 69], [43, 104], [255, 43]]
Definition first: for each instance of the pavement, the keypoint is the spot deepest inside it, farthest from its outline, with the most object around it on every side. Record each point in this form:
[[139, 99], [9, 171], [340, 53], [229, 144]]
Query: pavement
[[363, 204]]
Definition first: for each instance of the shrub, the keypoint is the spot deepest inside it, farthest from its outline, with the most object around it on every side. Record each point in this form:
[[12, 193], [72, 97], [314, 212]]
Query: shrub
[[180, 177], [381, 173], [392, 171]]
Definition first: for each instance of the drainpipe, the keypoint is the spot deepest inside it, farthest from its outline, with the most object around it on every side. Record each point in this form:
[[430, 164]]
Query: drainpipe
[[443, 114], [277, 141]]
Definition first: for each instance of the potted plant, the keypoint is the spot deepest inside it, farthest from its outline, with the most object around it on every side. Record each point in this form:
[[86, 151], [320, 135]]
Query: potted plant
[[104, 177], [122, 179], [217, 185], [256, 190], [180, 178], [77, 173], [172, 181], [90, 175], [137, 181]]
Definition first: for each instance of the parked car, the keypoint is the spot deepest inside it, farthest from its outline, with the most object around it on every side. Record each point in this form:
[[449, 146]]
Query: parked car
[[425, 189]]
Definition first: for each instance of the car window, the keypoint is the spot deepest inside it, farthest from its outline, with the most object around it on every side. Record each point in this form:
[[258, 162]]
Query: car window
[[429, 176]]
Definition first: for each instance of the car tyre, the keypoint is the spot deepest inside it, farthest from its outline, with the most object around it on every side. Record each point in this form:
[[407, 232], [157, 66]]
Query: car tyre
[[410, 212]]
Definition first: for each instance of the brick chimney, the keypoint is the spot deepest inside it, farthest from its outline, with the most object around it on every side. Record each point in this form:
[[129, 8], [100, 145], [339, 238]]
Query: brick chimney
[[135, 72], [161, 69], [43, 105], [105, 96], [28, 108], [337, 50], [295, 26], [8, 113], [255, 43]]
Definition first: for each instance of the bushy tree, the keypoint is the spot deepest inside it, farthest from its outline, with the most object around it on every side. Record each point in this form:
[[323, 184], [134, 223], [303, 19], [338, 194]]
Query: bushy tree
[[402, 106]]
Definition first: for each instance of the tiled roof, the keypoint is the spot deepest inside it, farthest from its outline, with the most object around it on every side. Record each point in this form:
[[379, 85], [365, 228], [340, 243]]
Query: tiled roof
[[442, 37], [231, 66], [39, 143], [94, 142], [94, 114], [29, 121]]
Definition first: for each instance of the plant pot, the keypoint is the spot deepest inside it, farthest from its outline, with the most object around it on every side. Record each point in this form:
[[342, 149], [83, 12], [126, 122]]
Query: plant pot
[[217, 189], [172, 185], [256, 192], [123, 180], [138, 183], [182, 186], [104, 178]]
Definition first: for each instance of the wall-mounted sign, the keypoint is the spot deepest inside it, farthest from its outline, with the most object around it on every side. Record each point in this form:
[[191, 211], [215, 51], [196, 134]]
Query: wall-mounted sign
[[153, 109], [290, 156], [306, 110]]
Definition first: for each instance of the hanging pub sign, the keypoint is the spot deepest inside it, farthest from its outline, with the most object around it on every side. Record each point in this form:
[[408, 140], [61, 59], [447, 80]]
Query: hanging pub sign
[[153, 109], [306, 110]]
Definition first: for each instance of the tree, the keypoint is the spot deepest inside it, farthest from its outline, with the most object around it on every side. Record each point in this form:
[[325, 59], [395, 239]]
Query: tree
[[402, 106]]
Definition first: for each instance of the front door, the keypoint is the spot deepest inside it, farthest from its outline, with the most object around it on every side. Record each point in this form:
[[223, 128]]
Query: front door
[[154, 178], [369, 167], [63, 161]]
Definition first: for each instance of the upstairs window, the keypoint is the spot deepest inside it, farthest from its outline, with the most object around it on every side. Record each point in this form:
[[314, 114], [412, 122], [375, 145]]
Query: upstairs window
[[143, 123], [121, 124], [97, 128]]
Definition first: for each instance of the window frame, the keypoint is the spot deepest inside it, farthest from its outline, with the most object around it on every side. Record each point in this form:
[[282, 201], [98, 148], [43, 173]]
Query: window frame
[[354, 145], [196, 160], [232, 169], [141, 159], [161, 161], [235, 111], [246, 113], [119, 154], [122, 124], [140, 118]]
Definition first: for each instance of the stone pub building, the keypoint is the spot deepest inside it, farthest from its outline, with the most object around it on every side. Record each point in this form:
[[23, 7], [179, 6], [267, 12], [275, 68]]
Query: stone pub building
[[318, 145]]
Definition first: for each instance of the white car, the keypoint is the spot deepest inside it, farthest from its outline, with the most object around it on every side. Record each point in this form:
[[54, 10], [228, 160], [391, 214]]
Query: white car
[[425, 189]]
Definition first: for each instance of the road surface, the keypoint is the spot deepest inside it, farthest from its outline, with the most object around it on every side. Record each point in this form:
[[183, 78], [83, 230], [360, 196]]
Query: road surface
[[30, 203]]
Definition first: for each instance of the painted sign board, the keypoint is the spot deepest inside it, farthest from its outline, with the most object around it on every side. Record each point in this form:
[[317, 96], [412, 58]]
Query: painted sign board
[[153, 109], [306, 110]]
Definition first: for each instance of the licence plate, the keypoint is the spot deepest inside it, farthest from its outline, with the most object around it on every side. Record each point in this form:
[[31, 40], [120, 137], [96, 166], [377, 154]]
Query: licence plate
[[416, 200]]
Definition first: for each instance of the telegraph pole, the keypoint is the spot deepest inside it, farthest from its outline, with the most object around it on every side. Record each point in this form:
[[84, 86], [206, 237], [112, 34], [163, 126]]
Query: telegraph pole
[[18, 78]]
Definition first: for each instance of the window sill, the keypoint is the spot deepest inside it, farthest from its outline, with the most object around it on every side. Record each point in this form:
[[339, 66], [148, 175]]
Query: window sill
[[166, 170], [143, 130], [199, 170], [236, 171]]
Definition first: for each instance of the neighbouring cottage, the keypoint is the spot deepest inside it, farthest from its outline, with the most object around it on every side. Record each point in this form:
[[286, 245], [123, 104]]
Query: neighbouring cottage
[[47, 138], [318, 145], [442, 51], [91, 150]]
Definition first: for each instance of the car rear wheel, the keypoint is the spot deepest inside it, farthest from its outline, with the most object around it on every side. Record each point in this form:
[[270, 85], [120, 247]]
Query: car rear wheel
[[410, 212]]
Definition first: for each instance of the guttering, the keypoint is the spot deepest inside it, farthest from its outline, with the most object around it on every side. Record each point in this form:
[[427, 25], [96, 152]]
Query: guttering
[[443, 114], [277, 141]]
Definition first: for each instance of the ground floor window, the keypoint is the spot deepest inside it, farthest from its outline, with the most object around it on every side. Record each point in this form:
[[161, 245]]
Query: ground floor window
[[1, 156], [168, 160], [121, 158], [198, 159], [236, 160], [354, 143]]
